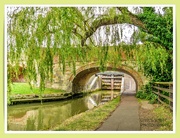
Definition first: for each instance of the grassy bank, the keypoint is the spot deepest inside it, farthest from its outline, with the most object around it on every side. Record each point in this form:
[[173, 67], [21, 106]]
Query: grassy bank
[[165, 118], [89, 120], [24, 88], [155, 117]]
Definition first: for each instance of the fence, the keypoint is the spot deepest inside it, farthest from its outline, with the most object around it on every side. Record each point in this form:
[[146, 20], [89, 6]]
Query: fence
[[164, 91]]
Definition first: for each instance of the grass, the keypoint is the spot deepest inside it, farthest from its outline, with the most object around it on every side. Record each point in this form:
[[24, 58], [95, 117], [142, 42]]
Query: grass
[[24, 88], [89, 120], [164, 117]]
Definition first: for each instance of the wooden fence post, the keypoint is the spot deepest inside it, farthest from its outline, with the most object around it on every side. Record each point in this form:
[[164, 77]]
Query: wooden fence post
[[112, 86], [169, 88], [158, 95], [171, 96]]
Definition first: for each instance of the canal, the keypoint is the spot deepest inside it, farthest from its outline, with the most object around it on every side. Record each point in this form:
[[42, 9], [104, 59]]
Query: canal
[[33, 117]]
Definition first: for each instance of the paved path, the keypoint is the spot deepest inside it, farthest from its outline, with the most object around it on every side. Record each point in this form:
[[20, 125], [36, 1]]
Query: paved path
[[125, 117]]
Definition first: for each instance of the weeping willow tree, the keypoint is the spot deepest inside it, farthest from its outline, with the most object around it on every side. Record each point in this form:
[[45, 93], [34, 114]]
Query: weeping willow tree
[[36, 35]]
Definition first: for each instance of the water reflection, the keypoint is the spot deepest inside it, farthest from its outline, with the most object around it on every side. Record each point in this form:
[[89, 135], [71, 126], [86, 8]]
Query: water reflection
[[48, 115]]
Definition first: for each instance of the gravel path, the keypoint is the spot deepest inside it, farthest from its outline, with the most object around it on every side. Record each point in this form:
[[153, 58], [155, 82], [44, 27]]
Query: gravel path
[[148, 121]]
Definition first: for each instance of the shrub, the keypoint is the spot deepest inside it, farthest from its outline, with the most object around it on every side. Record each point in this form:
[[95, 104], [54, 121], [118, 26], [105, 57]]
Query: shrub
[[146, 93]]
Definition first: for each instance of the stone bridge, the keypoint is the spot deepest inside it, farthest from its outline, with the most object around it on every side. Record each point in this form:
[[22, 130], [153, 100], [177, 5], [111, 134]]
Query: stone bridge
[[84, 71]]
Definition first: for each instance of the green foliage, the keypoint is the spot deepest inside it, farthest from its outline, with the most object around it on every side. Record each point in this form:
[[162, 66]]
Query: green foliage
[[38, 35], [155, 62], [147, 94], [141, 95], [160, 26], [33, 33], [152, 59]]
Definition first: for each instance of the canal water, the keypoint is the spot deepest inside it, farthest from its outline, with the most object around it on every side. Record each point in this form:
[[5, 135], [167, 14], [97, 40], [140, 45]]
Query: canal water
[[35, 116]]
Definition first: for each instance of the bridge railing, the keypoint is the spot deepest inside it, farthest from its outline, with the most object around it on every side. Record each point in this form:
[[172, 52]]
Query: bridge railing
[[164, 91]]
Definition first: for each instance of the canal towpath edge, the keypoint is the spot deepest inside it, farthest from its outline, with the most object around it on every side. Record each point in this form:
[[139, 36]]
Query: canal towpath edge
[[125, 117]]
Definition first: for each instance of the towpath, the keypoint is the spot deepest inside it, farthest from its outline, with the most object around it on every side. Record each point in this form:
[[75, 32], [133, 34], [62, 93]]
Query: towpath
[[125, 117]]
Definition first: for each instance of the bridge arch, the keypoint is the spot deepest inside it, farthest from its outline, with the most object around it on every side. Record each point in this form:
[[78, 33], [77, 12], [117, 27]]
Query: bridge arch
[[83, 74]]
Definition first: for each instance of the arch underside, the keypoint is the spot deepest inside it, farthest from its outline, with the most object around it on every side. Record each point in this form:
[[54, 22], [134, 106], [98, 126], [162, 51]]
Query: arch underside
[[85, 72]]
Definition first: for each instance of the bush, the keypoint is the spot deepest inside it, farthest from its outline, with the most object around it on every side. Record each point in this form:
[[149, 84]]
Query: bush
[[141, 95], [146, 93], [153, 98]]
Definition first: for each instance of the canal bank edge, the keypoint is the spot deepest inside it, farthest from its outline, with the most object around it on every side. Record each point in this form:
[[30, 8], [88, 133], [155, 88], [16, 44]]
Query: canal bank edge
[[30, 98]]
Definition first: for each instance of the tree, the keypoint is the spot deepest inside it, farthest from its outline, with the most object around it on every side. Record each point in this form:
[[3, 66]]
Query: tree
[[37, 34]]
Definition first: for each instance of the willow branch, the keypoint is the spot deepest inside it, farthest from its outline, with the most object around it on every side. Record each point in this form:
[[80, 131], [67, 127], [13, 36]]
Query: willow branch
[[125, 17]]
